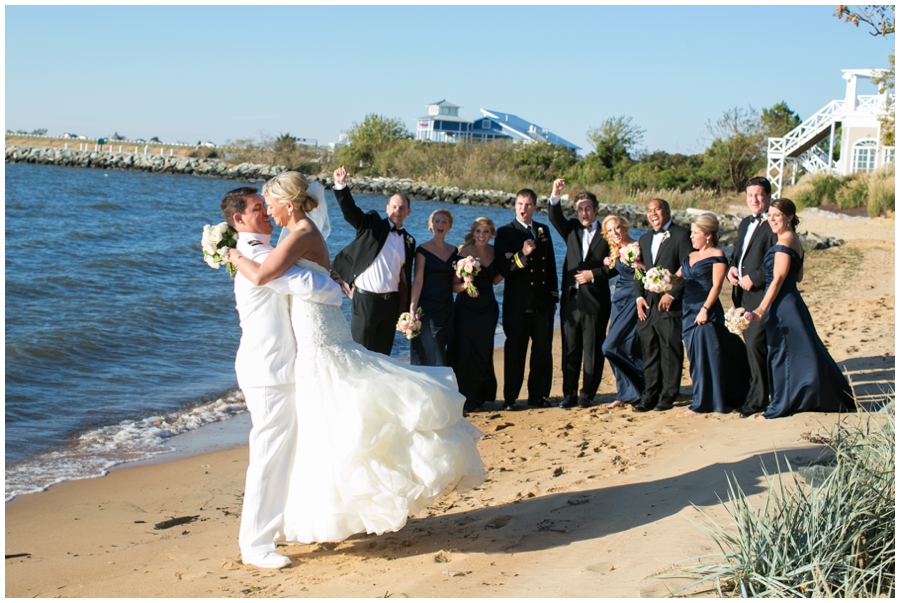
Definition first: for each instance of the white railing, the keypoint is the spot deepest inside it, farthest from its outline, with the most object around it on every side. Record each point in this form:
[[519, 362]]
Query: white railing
[[816, 160], [809, 129]]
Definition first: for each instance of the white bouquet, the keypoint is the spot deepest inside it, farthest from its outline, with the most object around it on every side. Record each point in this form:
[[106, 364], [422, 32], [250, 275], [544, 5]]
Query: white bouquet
[[737, 320], [658, 280], [215, 243]]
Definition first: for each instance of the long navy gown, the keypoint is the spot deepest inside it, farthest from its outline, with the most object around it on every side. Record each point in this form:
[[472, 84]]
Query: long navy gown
[[430, 348], [473, 348], [720, 373], [622, 347], [803, 376]]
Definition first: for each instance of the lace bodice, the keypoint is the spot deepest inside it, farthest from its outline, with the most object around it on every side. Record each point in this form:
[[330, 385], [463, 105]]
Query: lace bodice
[[317, 326]]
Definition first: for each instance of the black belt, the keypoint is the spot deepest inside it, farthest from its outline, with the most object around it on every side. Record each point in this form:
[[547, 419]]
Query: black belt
[[384, 296]]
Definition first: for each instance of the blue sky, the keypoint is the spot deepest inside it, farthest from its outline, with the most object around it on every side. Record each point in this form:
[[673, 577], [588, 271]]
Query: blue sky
[[230, 72]]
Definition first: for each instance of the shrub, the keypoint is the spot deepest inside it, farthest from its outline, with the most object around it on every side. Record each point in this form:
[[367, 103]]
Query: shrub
[[881, 191], [832, 537], [813, 189], [854, 192]]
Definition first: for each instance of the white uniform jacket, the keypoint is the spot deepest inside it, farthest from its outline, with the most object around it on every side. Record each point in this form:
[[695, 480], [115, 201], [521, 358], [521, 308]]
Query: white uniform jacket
[[267, 351]]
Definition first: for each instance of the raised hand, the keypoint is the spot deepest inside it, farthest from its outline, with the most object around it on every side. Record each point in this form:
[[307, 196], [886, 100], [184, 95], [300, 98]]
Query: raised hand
[[558, 186], [340, 176]]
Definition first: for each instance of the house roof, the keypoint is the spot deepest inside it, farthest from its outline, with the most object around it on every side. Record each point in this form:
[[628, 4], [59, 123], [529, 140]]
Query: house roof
[[445, 118], [443, 103], [525, 130]]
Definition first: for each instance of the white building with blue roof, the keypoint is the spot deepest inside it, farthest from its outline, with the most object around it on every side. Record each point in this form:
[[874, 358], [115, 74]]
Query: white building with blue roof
[[443, 124]]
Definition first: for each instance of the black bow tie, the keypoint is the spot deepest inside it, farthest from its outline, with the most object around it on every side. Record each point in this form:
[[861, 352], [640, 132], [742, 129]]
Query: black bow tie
[[656, 232], [398, 230], [757, 218]]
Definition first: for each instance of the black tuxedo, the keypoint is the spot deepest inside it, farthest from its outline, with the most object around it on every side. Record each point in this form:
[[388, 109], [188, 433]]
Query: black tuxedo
[[584, 309], [755, 336], [374, 317], [529, 298], [661, 343]]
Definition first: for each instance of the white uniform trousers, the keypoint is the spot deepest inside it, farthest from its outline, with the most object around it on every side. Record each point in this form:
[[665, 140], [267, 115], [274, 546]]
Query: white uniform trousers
[[273, 440]]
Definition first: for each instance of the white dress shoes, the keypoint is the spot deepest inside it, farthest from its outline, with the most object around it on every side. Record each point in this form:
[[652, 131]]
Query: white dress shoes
[[270, 560]]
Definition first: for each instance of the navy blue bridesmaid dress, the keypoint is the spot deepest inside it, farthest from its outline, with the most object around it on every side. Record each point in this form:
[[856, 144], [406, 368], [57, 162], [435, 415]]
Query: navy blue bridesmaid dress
[[720, 373], [430, 348], [622, 347], [473, 347], [803, 376]]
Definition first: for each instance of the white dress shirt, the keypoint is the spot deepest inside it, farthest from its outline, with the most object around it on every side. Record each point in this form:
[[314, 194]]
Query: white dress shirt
[[657, 241]]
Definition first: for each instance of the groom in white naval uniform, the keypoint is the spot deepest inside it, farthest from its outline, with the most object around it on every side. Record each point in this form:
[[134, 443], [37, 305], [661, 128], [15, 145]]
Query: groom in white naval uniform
[[265, 374]]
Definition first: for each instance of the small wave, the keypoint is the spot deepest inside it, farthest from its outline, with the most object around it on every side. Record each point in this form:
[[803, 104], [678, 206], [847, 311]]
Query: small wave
[[94, 452]]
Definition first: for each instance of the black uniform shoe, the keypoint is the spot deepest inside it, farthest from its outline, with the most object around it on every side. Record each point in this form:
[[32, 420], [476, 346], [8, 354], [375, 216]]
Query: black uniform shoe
[[664, 406], [539, 402], [641, 408], [584, 402], [568, 403], [510, 406]]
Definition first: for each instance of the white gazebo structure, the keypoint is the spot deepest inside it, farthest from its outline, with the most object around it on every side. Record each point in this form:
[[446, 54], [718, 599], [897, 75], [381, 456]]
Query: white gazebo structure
[[861, 148]]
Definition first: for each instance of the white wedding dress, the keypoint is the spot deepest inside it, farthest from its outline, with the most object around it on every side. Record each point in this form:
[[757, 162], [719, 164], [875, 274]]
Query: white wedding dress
[[378, 439]]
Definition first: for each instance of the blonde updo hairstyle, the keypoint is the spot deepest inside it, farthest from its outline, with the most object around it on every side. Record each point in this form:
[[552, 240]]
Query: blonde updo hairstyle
[[445, 212], [709, 225], [469, 239], [613, 246], [290, 188]]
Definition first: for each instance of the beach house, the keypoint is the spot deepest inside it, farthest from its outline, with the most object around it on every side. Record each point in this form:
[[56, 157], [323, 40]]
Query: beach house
[[443, 124], [857, 117]]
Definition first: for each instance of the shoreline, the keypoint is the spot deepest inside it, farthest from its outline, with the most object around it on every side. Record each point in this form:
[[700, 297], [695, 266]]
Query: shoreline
[[578, 501]]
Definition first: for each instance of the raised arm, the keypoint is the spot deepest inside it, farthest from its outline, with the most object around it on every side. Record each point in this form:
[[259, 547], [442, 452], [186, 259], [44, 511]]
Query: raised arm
[[559, 222], [353, 215]]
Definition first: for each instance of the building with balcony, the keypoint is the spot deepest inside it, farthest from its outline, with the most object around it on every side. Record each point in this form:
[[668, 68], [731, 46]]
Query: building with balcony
[[859, 119]]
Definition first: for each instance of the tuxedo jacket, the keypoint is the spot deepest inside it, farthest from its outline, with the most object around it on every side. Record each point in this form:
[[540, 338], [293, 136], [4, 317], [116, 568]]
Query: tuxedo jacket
[[592, 297], [763, 238], [671, 254], [372, 230], [531, 283]]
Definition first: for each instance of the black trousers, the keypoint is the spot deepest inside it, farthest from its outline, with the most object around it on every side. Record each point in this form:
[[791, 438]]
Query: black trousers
[[373, 320], [519, 328], [582, 348], [663, 352]]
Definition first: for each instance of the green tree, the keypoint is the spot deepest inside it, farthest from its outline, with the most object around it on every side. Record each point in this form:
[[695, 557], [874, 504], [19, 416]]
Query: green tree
[[374, 135], [737, 150], [885, 83], [778, 120], [615, 140]]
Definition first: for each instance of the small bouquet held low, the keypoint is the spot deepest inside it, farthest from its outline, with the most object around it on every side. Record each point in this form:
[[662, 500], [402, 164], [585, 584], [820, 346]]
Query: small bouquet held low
[[737, 320], [658, 280], [215, 243], [466, 269], [629, 255], [410, 324]]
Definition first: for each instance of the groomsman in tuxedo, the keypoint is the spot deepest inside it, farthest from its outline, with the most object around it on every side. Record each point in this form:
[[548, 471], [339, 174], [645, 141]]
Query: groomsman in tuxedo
[[376, 267], [524, 255], [659, 315], [265, 374], [747, 275], [584, 301]]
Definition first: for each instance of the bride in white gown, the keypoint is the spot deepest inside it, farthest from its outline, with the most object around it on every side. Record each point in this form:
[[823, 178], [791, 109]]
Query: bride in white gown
[[378, 439]]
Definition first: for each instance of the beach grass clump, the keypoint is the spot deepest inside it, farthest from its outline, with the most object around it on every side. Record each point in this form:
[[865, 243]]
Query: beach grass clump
[[812, 190], [881, 191], [854, 192], [830, 535]]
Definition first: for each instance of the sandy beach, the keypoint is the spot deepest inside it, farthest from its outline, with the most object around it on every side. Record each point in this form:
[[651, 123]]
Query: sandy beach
[[579, 503]]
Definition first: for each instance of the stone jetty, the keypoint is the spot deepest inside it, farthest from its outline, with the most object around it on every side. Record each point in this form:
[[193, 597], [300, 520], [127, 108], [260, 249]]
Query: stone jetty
[[250, 172]]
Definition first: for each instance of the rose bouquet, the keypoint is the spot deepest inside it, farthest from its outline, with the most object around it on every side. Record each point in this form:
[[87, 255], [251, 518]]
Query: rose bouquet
[[215, 243], [658, 280], [410, 324], [737, 320], [628, 255], [466, 269]]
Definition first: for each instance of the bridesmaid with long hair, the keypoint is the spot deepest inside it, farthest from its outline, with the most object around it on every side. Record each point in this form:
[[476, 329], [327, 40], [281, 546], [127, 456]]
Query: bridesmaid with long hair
[[622, 347], [803, 375], [432, 290], [476, 320]]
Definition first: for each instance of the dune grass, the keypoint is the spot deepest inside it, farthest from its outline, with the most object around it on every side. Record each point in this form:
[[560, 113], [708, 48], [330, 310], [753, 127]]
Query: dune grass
[[830, 534]]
